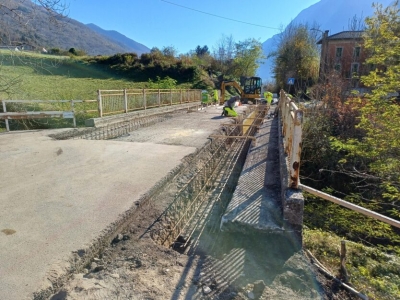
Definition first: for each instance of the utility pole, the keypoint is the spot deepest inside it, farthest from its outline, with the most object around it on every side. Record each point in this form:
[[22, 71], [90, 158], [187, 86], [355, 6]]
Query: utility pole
[[323, 64]]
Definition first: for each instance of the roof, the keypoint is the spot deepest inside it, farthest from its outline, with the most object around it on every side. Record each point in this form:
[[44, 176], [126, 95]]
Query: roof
[[344, 35]]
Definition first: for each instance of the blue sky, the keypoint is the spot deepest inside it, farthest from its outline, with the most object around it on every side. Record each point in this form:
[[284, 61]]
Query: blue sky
[[161, 23]]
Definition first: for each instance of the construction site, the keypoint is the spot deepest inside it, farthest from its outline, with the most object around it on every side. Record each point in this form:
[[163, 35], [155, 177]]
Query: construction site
[[184, 204]]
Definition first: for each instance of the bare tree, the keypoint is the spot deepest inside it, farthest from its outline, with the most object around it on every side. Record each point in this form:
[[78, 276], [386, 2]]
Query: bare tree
[[22, 12], [17, 29], [224, 52], [356, 23]]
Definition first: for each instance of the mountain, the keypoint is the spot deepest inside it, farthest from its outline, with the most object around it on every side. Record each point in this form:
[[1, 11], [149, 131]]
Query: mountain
[[332, 15], [120, 39], [24, 22]]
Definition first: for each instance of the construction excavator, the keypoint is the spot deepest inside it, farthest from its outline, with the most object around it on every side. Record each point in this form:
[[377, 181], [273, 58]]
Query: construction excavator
[[249, 89]]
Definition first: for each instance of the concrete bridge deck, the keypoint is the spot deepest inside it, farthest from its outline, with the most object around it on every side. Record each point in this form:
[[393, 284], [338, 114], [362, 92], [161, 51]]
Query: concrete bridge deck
[[58, 196]]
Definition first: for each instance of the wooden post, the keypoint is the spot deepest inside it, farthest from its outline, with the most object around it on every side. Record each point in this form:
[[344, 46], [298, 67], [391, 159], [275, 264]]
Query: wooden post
[[125, 101], [181, 96], [170, 91], [296, 149], [5, 110], [73, 112], [99, 104], [144, 99], [343, 271], [159, 98]]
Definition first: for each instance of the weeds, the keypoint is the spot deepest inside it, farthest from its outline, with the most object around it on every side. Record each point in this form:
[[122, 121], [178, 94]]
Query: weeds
[[372, 271]]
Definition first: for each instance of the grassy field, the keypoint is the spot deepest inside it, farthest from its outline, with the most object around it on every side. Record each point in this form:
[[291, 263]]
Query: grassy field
[[46, 77], [35, 76]]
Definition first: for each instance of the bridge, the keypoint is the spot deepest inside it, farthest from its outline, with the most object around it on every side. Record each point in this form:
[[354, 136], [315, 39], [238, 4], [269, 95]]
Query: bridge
[[67, 193]]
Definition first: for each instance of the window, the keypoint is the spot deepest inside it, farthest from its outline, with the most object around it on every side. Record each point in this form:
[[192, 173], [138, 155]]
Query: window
[[339, 52], [371, 67], [338, 67], [354, 69], [356, 52]]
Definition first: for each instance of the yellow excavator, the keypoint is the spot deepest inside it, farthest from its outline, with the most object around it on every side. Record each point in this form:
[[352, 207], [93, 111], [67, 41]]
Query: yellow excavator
[[250, 89]]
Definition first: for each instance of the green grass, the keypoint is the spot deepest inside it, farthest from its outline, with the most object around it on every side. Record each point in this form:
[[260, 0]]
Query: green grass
[[372, 271], [34, 76], [46, 77]]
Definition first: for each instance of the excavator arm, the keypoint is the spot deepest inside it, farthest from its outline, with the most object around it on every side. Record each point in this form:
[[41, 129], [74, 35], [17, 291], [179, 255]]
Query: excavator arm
[[224, 84], [251, 89]]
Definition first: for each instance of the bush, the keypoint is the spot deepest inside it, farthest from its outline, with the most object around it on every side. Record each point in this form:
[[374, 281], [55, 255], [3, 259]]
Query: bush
[[165, 83]]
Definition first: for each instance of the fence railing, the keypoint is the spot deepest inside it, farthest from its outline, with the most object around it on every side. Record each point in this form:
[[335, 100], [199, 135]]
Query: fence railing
[[126, 100], [39, 109], [292, 122]]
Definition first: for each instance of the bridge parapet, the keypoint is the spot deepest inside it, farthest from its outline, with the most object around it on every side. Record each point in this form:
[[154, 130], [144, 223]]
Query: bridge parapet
[[290, 137]]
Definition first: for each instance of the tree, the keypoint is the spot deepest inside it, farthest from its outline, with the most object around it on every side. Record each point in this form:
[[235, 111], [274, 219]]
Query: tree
[[201, 57], [380, 117], [20, 12], [247, 59], [375, 156], [297, 56], [169, 51], [223, 54], [201, 51]]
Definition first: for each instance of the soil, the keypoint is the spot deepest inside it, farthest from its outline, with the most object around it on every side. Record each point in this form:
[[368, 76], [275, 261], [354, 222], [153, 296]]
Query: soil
[[227, 266]]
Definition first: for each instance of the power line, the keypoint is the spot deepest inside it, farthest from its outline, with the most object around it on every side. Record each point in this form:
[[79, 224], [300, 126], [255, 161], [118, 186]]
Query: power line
[[217, 16]]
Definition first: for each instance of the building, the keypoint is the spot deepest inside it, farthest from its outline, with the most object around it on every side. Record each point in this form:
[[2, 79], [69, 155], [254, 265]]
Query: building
[[343, 52]]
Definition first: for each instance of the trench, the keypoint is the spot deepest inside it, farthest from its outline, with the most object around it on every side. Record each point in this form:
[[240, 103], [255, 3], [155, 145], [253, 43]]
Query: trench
[[190, 224], [203, 185]]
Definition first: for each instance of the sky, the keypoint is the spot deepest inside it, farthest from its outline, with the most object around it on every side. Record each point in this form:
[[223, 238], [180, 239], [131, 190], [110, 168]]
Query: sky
[[185, 24]]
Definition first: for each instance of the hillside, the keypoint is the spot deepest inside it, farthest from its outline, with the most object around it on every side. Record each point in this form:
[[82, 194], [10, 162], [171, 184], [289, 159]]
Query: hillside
[[25, 22], [120, 39], [332, 15]]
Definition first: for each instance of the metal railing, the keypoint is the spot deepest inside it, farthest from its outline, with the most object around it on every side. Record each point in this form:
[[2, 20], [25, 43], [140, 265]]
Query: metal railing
[[292, 122], [351, 206], [126, 100], [40, 109]]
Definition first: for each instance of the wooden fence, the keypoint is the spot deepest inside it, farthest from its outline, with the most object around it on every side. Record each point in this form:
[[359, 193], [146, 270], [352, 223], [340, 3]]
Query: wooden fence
[[126, 100]]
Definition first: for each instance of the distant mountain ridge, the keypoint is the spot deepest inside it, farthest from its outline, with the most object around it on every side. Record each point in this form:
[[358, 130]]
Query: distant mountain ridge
[[63, 33], [120, 39], [332, 15]]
